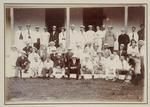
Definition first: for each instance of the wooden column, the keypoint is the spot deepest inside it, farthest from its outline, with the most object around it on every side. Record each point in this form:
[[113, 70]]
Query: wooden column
[[12, 25], [126, 17], [67, 26]]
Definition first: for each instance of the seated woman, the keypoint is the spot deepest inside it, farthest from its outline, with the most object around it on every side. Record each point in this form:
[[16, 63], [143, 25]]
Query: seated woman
[[22, 64], [59, 67], [87, 66], [47, 67], [74, 67]]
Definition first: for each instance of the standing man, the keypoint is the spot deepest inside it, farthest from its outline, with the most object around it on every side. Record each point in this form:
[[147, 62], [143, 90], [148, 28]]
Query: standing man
[[29, 34], [45, 37], [62, 37], [123, 39], [90, 34], [141, 33], [19, 38], [133, 35], [54, 36], [110, 38], [82, 36], [73, 36]]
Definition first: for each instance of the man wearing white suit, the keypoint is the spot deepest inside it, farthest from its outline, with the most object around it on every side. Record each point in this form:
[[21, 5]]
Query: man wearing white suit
[[45, 37], [29, 34], [20, 38], [82, 36], [73, 36], [90, 34]]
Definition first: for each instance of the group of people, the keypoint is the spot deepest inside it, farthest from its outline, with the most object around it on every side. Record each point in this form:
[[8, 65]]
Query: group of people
[[48, 54]]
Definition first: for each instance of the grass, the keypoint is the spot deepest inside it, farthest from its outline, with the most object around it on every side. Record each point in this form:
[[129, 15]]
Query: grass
[[72, 90]]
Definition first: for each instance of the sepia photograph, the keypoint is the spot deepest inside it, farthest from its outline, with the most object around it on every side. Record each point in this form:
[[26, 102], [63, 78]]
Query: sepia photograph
[[75, 53]]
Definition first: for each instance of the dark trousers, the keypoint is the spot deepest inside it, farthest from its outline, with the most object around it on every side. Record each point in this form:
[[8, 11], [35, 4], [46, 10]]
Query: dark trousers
[[47, 71], [111, 49], [74, 71]]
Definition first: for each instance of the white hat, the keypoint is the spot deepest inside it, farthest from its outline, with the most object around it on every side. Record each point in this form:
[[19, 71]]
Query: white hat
[[72, 25], [90, 26], [53, 43], [22, 52], [82, 26], [110, 26], [54, 26], [69, 48], [74, 56]]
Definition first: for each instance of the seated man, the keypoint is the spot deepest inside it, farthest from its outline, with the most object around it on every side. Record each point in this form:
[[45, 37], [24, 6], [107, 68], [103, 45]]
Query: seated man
[[87, 66], [74, 66], [98, 64], [34, 67], [51, 47], [59, 67], [47, 67], [110, 68], [124, 69], [22, 64]]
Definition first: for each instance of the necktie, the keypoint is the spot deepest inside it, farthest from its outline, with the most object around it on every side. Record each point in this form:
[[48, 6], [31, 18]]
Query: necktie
[[29, 34], [133, 36], [122, 65], [21, 36]]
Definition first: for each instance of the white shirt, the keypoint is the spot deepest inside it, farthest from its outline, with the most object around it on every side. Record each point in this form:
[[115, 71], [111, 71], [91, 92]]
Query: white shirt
[[123, 65], [36, 35], [45, 38], [132, 51], [101, 34], [90, 34], [82, 36], [32, 56], [62, 38], [29, 34], [73, 38], [136, 37], [49, 64], [20, 42], [50, 48]]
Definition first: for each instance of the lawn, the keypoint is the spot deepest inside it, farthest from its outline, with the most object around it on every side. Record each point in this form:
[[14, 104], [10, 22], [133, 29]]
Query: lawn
[[63, 90]]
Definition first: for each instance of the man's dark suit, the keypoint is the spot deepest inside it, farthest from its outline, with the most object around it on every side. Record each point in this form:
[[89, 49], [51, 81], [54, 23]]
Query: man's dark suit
[[74, 68], [54, 37]]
